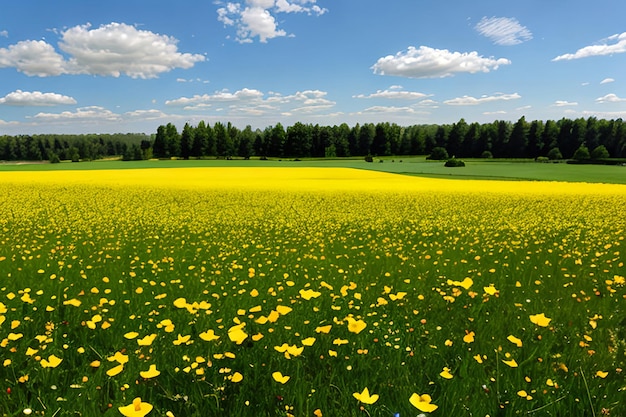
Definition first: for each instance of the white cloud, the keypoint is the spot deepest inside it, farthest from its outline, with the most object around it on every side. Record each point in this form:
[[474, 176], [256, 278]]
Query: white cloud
[[256, 21], [258, 17], [34, 58], [244, 94], [503, 30], [473, 101], [426, 62], [251, 101], [4, 34], [119, 48], [394, 93], [35, 98], [110, 50], [607, 80], [615, 44], [610, 98], [564, 103], [81, 115]]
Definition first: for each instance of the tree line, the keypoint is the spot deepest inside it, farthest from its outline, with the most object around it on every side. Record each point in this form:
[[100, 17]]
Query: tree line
[[500, 139], [74, 147], [552, 139]]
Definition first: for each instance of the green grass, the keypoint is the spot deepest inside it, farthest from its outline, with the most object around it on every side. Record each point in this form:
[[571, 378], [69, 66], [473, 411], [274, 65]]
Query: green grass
[[418, 166], [396, 261]]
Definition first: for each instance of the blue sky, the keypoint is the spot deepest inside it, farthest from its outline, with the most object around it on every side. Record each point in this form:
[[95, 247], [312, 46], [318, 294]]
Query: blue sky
[[81, 66]]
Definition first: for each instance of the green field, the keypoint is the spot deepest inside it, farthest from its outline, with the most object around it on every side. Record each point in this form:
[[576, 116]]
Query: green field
[[419, 166], [268, 302]]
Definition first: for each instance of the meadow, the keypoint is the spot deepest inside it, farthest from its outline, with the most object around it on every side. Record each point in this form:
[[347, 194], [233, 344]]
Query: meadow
[[309, 292]]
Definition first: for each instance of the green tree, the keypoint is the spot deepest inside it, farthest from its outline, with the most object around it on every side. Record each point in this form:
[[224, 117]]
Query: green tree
[[518, 140], [298, 141], [582, 153], [200, 140], [186, 141], [600, 152]]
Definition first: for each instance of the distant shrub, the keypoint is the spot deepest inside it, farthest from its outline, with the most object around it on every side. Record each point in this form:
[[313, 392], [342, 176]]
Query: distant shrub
[[600, 152], [554, 154], [581, 153], [438, 154], [453, 162], [486, 155], [54, 158], [369, 158], [543, 159]]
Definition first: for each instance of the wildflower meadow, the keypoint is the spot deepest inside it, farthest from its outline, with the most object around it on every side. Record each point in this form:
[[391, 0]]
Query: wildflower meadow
[[309, 292]]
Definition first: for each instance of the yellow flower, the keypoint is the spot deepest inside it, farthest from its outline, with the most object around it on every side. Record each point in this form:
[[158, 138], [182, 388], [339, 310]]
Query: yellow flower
[[236, 377], [423, 403], [182, 339], [119, 357], [208, 336], [602, 374], [51, 362], [323, 329], [514, 340], [491, 290], [136, 409], [147, 341], [469, 337], [115, 370], [540, 319], [512, 363], [236, 333], [365, 397], [308, 341], [446, 373], [278, 377], [355, 326], [308, 294], [150, 373]]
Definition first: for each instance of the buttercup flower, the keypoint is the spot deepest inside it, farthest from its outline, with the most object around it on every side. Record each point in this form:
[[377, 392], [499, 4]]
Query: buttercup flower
[[365, 396], [137, 409]]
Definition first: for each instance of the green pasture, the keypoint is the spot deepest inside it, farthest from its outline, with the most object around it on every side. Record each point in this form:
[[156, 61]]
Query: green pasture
[[419, 166]]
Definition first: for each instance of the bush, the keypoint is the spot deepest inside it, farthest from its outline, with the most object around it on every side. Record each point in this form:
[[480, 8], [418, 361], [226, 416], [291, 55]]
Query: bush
[[600, 152], [582, 153], [543, 159], [453, 162], [486, 155], [54, 158], [369, 158], [438, 154], [554, 154]]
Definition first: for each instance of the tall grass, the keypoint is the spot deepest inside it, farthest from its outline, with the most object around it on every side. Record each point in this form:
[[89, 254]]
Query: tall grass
[[509, 303]]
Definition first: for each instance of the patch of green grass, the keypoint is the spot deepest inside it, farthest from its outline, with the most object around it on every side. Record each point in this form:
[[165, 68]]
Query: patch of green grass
[[448, 286], [417, 166]]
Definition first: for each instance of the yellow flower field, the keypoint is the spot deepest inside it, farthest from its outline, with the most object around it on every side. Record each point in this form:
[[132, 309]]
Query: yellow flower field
[[308, 292]]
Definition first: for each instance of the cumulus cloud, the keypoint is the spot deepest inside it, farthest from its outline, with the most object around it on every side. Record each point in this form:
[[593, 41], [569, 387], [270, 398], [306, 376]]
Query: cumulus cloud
[[610, 98], [394, 93], [35, 98], [564, 103], [503, 30], [426, 62], [257, 18], [473, 101], [607, 80], [615, 44], [34, 58], [110, 50], [83, 114], [252, 101]]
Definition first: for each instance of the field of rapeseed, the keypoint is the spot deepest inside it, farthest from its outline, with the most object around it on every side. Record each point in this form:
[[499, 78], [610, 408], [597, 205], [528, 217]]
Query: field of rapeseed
[[309, 292]]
